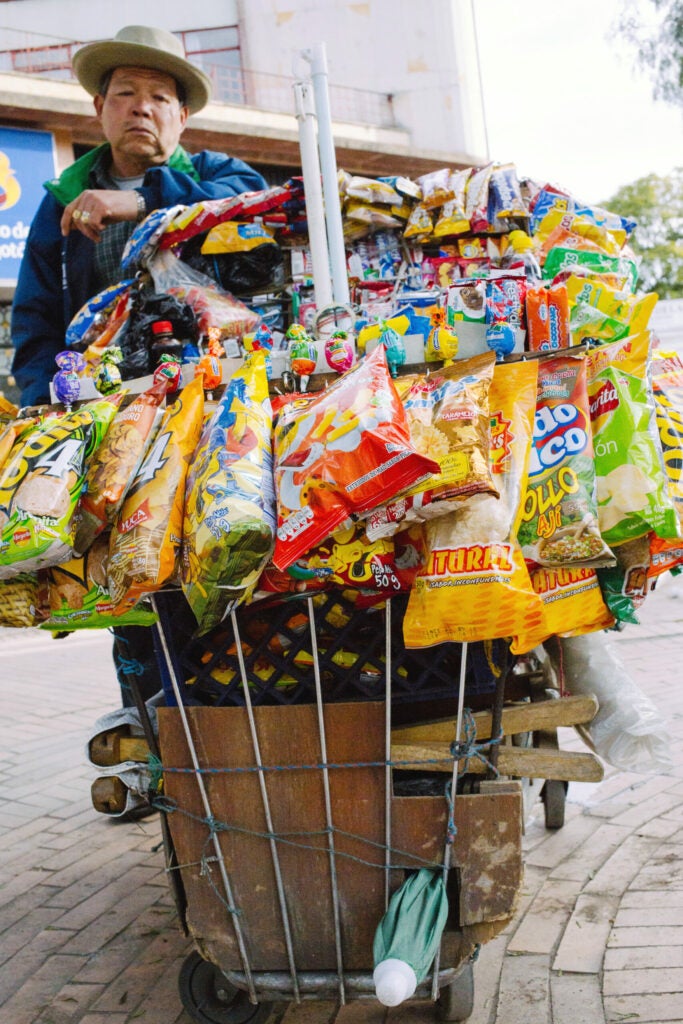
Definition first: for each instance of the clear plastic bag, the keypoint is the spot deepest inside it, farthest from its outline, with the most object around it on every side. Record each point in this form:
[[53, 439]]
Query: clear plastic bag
[[628, 731]]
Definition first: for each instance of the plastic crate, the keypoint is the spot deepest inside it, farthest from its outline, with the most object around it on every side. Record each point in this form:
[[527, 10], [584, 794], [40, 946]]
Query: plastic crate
[[351, 643]]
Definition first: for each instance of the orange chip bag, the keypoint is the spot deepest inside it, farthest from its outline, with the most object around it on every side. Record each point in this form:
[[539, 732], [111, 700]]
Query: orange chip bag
[[340, 454], [475, 585], [116, 461], [145, 541], [572, 605]]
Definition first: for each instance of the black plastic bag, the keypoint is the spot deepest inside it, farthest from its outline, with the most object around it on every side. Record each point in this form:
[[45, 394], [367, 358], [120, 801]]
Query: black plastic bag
[[146, 308]]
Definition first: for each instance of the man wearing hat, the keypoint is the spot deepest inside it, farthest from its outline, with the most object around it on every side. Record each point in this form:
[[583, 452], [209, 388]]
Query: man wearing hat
[[144, 90]]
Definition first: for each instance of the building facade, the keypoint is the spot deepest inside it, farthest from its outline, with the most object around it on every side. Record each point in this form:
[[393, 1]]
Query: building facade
[[403, 86]]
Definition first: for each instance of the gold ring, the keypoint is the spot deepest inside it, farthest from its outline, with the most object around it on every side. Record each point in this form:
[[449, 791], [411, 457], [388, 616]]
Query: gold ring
[[76, 215], [85, 216]]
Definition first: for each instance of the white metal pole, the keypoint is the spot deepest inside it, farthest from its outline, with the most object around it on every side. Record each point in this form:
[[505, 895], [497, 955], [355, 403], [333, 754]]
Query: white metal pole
[[317, 58], [315, 215]]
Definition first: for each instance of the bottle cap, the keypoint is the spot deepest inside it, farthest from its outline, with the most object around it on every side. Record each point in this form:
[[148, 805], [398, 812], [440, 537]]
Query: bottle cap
[[162, 327], [394, 981]]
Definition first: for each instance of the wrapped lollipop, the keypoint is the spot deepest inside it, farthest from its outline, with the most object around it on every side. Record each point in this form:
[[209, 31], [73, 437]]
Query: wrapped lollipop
[[339, 352], [108, 375], [67, 382], [395, 349], [442, 342], [261, 338], [303, 355], [170, 370], [210, 370], [500, 338]]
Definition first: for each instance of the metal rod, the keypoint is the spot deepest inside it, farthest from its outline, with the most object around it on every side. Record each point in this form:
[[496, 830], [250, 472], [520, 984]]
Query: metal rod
[[387, 751], [315, 214], [328, 803], [207, 811], [317, 58], [284, 910], [454, 787]]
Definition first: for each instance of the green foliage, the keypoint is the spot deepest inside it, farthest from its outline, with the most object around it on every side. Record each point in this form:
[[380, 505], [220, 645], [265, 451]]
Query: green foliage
[[655, 30], [656, 203]]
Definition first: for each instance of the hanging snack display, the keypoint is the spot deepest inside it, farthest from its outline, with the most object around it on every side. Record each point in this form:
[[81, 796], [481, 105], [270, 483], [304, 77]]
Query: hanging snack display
[[412, 418]]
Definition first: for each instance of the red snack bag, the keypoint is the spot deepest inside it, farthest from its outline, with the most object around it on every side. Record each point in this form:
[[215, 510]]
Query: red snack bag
[[341, 453]]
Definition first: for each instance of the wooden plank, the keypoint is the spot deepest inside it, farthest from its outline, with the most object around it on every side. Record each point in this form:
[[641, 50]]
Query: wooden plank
[[521, 762], [487, 844], [517, 718]]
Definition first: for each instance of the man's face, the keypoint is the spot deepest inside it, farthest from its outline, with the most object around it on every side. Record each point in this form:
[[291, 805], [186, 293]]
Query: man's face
[[141, 118]]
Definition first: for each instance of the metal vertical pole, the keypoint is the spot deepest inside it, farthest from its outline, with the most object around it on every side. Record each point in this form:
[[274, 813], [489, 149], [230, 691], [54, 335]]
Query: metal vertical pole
[[317, 58], [315, 214]]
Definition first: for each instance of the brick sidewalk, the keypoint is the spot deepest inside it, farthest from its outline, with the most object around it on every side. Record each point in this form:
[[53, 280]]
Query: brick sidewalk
[[88, 929]]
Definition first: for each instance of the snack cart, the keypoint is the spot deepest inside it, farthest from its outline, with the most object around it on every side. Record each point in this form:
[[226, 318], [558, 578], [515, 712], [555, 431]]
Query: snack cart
[[319, 745]]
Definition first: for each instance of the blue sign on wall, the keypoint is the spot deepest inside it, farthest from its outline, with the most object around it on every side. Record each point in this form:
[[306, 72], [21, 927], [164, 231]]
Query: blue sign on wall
[[27, 159]]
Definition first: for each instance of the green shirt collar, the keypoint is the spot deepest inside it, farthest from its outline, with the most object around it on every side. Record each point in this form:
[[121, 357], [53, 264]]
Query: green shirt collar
[[76, 178]]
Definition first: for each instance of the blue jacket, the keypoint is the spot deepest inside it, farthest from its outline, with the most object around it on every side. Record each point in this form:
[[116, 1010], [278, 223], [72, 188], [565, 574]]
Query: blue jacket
[[56, 274]]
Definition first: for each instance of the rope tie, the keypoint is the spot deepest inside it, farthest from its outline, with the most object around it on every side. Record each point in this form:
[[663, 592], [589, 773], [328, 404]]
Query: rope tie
[[465, 750], [130, 666]]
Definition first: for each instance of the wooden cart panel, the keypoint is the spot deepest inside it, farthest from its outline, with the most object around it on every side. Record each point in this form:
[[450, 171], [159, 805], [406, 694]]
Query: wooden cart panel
[[486, 852]]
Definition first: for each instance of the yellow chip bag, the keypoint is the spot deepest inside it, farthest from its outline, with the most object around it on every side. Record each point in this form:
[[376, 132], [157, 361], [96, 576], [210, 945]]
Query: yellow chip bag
[[145, 541], [572, 605], [667, 388], [475, 585]]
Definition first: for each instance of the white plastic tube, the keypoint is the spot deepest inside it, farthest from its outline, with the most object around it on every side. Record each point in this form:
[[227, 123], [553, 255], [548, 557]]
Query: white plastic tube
[[317, 58], [315, 213]]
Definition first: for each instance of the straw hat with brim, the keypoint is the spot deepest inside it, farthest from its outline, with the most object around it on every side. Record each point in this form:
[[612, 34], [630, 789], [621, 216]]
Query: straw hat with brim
[[137, 46]]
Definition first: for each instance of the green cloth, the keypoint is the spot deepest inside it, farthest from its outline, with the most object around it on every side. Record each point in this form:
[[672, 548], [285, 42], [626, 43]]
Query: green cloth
[[76, 178], [414, 921]]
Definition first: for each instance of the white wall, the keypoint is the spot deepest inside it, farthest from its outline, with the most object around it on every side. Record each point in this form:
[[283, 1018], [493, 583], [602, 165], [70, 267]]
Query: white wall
[[98, 19], [423, 53], [391, 46]]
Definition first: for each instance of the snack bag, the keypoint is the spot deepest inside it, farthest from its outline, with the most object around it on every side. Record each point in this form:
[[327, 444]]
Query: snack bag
[[42, 483], [626, 585], [229, 521], [14, 433], [559, 520], [79, 597], [547, 318], [437, 188], [24, 600], [477, 199], [572, 605], [145, 541], [116, 462], [475, 585], [567, 258], [633, 492], [667, 388], [339, 454]]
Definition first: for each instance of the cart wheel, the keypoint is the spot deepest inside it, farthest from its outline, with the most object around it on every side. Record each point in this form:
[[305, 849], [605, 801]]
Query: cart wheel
[[554, 800], [456, 1001], [210, 998]]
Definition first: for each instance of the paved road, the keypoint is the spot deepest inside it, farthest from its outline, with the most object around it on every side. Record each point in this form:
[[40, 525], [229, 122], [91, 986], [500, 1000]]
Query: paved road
[[88, 933]]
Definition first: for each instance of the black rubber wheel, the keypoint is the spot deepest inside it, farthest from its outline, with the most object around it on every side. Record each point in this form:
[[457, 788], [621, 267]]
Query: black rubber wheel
[[554, 800], [210, 998], [456, 1001]]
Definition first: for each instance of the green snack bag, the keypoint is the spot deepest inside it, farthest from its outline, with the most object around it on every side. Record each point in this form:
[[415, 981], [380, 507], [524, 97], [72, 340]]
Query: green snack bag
[[633, 491], [79, 594], [41, 484]]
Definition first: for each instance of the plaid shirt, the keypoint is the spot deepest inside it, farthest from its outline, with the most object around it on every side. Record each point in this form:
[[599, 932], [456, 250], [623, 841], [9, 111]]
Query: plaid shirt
[[109, 249]]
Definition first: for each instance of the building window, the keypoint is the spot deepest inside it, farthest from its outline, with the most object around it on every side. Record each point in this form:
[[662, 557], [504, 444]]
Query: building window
[[217, 52]]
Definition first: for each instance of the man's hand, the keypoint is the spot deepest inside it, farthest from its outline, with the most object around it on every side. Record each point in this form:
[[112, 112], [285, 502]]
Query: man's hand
[[90, 212]]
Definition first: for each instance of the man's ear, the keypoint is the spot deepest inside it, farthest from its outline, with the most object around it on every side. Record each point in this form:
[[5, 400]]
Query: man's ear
[[98, 103], [184, 113]]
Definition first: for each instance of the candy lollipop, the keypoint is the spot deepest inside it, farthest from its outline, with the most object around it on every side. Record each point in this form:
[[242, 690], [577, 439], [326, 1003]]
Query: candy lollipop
[[303, 357], [261, 338], [211, 371], [395, 349], [66, 382], [339, 351], [501, 337], [170, 370], [442, 342], [108, 376]]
